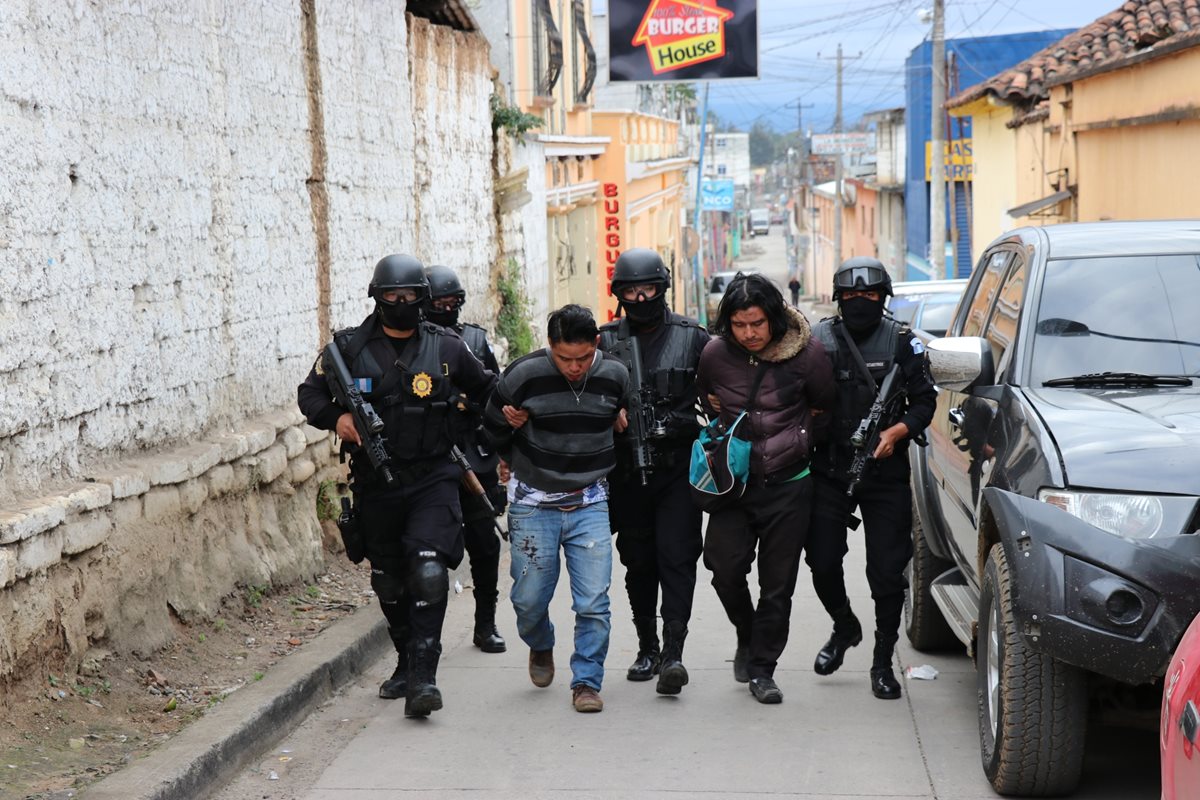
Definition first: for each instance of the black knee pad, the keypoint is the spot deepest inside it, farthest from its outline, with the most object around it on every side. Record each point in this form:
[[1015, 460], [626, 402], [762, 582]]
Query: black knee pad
[[388, 588], [428, 580]]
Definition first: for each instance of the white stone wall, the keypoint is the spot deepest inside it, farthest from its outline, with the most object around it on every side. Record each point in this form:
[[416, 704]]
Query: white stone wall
[[151, 194], [157, 251], [159, 280], [451, 84]]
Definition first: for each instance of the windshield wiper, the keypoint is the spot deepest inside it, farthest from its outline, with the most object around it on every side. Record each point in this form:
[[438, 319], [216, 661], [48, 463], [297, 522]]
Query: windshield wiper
[[1120, 379]]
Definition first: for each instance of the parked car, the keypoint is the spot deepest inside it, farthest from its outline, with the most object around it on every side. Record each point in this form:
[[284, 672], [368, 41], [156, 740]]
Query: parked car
[[760, 222], [717, 285], [1056, 506], [1180, 720], [926, 305]]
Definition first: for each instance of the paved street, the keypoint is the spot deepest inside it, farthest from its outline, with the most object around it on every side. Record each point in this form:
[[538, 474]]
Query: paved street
[[499, 736]]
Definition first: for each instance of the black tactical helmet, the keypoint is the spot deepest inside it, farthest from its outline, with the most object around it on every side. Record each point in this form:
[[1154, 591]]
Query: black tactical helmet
[[637, 266], [861, 273], [399, 272], [443, 282]]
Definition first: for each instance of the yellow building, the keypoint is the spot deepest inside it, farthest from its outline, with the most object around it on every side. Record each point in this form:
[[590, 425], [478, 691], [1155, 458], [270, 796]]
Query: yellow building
[[614, 179], [553, 72], [1100, 125], [642, 176]]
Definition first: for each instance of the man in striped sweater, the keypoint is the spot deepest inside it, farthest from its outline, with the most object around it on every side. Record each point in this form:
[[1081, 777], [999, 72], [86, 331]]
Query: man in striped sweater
[[552, 418]]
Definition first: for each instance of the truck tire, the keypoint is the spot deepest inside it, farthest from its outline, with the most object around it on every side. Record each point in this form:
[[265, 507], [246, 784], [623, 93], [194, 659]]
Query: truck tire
[[924, 624], [1032, 708]]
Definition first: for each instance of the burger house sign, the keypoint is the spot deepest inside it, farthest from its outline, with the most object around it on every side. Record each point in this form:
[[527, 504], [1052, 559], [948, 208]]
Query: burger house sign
[[682, 40]]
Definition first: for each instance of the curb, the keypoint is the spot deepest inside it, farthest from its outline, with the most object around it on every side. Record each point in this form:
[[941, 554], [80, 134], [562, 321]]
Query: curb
[[250, 721]]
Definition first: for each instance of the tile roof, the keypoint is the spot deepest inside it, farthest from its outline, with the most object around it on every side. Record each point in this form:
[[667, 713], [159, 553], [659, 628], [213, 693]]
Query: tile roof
[[1106, 43]]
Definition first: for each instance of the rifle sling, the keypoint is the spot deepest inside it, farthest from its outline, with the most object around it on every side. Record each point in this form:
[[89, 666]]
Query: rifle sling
[[857, 356]]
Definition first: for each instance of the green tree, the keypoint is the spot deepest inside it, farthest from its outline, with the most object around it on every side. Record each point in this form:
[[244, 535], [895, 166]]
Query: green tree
[[764, 144]]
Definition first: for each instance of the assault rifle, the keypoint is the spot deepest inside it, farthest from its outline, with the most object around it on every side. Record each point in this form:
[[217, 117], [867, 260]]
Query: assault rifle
[[366, 420], [471, 481], [866, 438], [643, 424]]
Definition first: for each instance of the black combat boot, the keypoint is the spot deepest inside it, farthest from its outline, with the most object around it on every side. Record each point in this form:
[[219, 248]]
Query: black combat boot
[[672, 676], [741, 658], [487, 638], [847, 633], [648, 660], [423, 695], [396, 686], [883, 681]]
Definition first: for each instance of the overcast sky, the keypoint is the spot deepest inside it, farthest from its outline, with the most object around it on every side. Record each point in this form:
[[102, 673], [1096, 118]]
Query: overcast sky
[[798, 42]]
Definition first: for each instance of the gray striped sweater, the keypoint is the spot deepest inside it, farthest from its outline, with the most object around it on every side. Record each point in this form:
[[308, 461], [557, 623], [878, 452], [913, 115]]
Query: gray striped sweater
[[568, 441]]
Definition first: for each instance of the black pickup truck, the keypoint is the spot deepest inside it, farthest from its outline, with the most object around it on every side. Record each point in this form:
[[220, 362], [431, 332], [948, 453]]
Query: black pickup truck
[[1057, 504]]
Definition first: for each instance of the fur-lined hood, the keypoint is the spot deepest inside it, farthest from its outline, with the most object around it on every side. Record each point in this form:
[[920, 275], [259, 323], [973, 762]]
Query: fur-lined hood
[[798, 334]]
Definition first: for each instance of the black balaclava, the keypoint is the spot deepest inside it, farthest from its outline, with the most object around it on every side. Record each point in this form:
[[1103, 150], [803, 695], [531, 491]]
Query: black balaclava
[[399, 316], [861, 314], [646, 313], [447, 319]]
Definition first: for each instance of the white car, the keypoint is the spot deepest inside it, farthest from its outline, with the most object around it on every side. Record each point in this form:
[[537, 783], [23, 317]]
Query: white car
[[926, 306]]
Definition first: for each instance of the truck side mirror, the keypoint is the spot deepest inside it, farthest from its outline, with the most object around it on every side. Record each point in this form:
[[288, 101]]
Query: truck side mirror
[[961, 363]]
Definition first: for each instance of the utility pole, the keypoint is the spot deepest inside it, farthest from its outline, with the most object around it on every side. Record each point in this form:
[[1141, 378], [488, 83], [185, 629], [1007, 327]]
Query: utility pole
[[697, 268], [937, 169], [837, 163], [801, 153]]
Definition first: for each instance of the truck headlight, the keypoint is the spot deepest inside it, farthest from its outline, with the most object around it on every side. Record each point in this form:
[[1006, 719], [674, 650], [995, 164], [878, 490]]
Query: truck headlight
[[1135, 516]]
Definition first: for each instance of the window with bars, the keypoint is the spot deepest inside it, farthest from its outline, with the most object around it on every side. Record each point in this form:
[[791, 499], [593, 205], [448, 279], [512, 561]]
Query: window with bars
[[547, 64], [589, 55]]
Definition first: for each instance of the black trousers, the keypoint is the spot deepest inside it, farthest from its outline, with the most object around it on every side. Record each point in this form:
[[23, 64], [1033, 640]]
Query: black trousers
[[659, 541], [401, 525], [481, 540], [774, 518], [885, 505]]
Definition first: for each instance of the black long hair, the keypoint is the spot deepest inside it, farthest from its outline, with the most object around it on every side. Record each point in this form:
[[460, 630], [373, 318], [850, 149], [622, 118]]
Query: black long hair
[[752, 290]]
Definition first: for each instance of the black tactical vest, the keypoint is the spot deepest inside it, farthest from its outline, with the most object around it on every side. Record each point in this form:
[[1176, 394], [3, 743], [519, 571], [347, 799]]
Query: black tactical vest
[[854, 396], [476, 446], [673, 375], [475, 338], [415, 400]]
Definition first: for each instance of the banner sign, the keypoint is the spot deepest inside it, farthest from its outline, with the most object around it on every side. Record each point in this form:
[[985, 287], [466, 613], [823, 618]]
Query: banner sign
[[682, 40], [830, 144], [716, 195], [957, 160]]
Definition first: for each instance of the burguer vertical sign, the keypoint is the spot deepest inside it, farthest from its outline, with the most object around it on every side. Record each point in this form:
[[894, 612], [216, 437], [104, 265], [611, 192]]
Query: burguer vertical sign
[[682, 40]]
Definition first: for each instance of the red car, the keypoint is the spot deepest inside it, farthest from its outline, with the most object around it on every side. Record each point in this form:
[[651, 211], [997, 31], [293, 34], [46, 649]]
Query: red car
[[1180, 720]]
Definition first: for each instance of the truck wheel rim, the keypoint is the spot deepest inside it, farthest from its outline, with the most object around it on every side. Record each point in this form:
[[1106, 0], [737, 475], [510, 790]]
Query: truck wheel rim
[[993, 669]]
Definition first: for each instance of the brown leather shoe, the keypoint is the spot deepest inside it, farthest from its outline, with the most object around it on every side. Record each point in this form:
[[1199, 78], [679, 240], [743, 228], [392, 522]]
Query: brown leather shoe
[[541, 667], [586, 699]]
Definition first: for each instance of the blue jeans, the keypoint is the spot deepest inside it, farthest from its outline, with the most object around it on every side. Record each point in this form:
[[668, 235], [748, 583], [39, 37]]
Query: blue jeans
[[535, 535]]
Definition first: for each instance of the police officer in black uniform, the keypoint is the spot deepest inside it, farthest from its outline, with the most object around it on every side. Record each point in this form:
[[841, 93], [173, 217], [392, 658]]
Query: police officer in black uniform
[[883, 498], [657, 524], [412, 372], [446, 298]]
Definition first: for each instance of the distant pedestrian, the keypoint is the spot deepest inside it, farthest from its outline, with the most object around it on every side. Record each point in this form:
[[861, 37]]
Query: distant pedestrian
[[552, 419], [794, 287], [764, 359]]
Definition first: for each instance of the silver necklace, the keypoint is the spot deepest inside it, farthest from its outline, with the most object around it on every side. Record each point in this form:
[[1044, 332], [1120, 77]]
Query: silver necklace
[[582, 388], [586, 375]]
